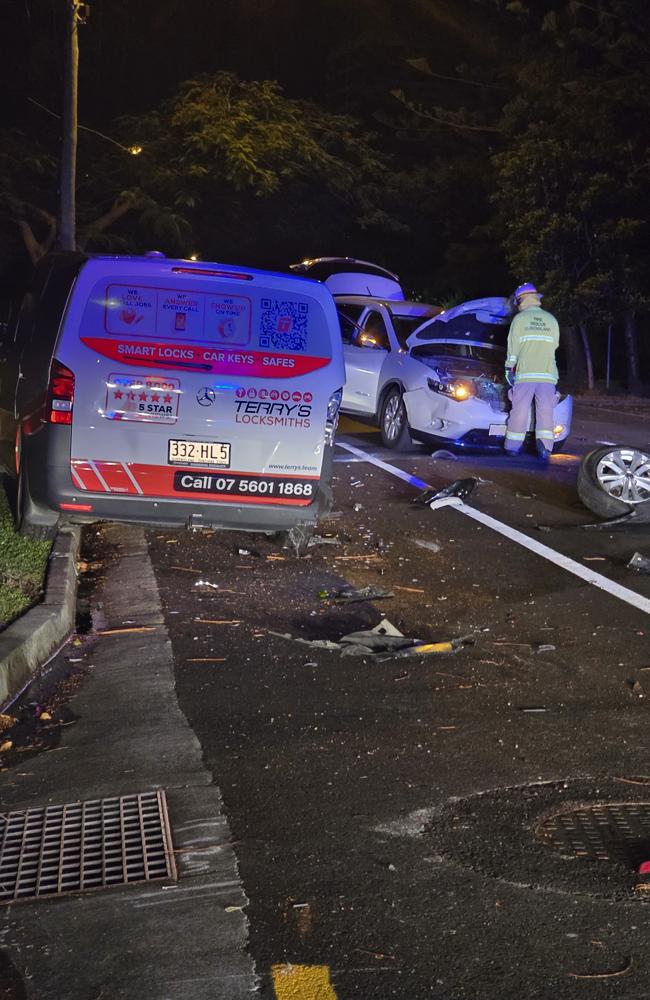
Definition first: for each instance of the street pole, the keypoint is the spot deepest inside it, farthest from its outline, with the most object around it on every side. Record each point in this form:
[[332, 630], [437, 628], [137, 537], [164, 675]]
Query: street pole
[[68, 178]]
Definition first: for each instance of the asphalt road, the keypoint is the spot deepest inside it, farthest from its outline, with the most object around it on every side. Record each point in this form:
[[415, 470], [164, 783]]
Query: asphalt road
[[385, 814]]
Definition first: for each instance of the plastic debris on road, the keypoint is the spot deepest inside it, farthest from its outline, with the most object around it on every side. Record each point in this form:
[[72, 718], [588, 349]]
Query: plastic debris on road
[[640, 563], [443, 455], [207, 583], [429, 546], [384, 641], [323, 540], [362, 594], [455, 493]]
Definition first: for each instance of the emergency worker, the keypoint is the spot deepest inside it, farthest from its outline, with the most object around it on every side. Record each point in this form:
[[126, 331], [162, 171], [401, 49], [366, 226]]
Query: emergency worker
[[531, 370]]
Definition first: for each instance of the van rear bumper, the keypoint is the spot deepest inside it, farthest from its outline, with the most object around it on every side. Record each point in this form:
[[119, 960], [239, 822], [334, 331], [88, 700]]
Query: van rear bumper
[[46, 460]]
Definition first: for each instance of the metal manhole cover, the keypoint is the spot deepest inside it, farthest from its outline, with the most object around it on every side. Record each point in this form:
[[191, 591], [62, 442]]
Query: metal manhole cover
[[85, 845], [617, 831]]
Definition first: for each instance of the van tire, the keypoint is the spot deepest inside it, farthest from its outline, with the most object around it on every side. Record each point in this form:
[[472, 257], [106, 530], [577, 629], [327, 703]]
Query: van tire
[[32, 521], [393, 422]]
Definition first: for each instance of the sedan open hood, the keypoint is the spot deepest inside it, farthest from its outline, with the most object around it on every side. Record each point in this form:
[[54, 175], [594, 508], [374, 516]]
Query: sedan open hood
[[478, 320]]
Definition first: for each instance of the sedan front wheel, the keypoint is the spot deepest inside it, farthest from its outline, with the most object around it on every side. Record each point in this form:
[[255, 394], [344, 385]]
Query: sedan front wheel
[[393, 422]]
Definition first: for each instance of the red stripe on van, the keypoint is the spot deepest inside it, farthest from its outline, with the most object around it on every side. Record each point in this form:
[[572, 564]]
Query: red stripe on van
[[116, 477], [158, 481], [83, 473], [213, 360]]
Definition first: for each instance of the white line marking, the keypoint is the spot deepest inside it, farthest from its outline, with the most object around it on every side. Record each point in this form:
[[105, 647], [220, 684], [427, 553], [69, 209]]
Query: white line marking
[[564, 562]]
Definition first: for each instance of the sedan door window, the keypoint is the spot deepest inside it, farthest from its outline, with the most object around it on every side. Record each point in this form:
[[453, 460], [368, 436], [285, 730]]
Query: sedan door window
[[373, 333]]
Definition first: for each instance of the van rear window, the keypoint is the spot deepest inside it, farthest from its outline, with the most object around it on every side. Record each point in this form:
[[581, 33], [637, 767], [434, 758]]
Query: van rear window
[[145, 311], [268, 332]]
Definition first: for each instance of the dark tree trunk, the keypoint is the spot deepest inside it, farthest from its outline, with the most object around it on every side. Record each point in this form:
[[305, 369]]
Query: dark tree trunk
[[586, 348], [631, 338], [576, 374]]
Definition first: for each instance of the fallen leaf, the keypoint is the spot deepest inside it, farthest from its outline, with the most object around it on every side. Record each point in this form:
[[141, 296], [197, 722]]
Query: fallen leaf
[[6, 745]]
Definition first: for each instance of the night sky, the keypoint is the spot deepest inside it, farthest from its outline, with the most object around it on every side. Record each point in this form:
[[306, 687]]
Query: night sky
[[459, 164]]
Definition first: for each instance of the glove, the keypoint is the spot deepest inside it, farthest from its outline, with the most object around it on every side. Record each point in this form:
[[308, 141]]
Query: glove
[[510, 376]]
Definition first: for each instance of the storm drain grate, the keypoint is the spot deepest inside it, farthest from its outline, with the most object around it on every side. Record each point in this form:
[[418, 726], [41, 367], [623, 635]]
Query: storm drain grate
[[617, 832], [85, 845]]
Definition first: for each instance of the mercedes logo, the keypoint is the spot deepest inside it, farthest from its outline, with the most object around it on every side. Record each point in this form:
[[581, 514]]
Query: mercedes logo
[[206, 396]]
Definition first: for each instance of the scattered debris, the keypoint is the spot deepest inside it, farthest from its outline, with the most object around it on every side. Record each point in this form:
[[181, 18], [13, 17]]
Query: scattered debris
[[206, 659], [186, 569], [627, 967], [357, 507], [349, 595], [543, 527], [526, 496], [411, 590], [6, 722], [544, 647], [594, 558], [6, 745], [640, 563], [243, 552], [206, 583], [382, 641], [534, 708], [323, 540], [128, 631], [219, 621], [635, 687], [442, 454], [315, 643], [429, 546], [459, 490]]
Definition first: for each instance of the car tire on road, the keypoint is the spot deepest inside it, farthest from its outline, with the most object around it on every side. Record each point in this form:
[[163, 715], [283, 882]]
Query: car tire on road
[[604, 472], [393, 422]]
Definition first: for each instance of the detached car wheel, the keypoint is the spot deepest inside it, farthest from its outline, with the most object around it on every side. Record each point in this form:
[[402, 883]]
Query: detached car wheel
[[393, 422], [613, 481]]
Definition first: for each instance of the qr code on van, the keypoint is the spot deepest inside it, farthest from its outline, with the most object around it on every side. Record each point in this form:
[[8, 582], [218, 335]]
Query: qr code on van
[[284, 325]]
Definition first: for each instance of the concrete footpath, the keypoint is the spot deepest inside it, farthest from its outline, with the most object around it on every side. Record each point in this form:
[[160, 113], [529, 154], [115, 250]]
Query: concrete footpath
[[155, 941]]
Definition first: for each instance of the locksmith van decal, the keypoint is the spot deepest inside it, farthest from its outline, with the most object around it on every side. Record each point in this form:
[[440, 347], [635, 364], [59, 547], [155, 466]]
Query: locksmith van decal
[[168, 312], [149, 398], [261, 364]]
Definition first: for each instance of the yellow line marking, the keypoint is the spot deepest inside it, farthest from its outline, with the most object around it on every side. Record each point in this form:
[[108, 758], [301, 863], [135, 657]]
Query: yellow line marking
[[302, 982], [347, 425]]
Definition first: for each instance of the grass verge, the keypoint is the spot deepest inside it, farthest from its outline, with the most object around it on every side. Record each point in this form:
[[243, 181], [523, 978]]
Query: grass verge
[[22, 566]]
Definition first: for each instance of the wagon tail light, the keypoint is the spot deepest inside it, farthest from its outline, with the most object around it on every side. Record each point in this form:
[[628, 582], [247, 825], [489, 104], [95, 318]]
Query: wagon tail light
[[60, 395]]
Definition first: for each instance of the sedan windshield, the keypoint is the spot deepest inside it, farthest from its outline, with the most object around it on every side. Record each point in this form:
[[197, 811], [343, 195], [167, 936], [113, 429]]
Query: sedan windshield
[[404, 326]]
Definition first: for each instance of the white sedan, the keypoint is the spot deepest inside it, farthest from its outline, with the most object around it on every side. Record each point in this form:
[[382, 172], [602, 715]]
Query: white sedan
[[435, 381]]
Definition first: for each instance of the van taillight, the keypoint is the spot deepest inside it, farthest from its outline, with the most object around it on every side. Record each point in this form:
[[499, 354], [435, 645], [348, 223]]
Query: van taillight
[[60, 395]]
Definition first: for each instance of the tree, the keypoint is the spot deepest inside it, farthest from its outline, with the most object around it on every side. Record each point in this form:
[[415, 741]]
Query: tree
[[573, 180]]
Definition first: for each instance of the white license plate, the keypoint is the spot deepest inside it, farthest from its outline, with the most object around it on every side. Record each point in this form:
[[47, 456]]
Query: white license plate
[[497, 430], [215, 453]]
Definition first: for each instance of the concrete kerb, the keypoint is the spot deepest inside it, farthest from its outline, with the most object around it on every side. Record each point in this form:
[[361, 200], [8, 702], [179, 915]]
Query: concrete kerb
[[26, 644]]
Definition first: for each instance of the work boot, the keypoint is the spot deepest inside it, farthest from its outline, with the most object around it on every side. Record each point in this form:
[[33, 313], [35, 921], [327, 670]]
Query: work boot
[[542, 451]]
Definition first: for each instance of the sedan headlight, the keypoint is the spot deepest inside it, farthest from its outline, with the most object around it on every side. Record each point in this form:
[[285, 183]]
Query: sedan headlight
[[459, 391]]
